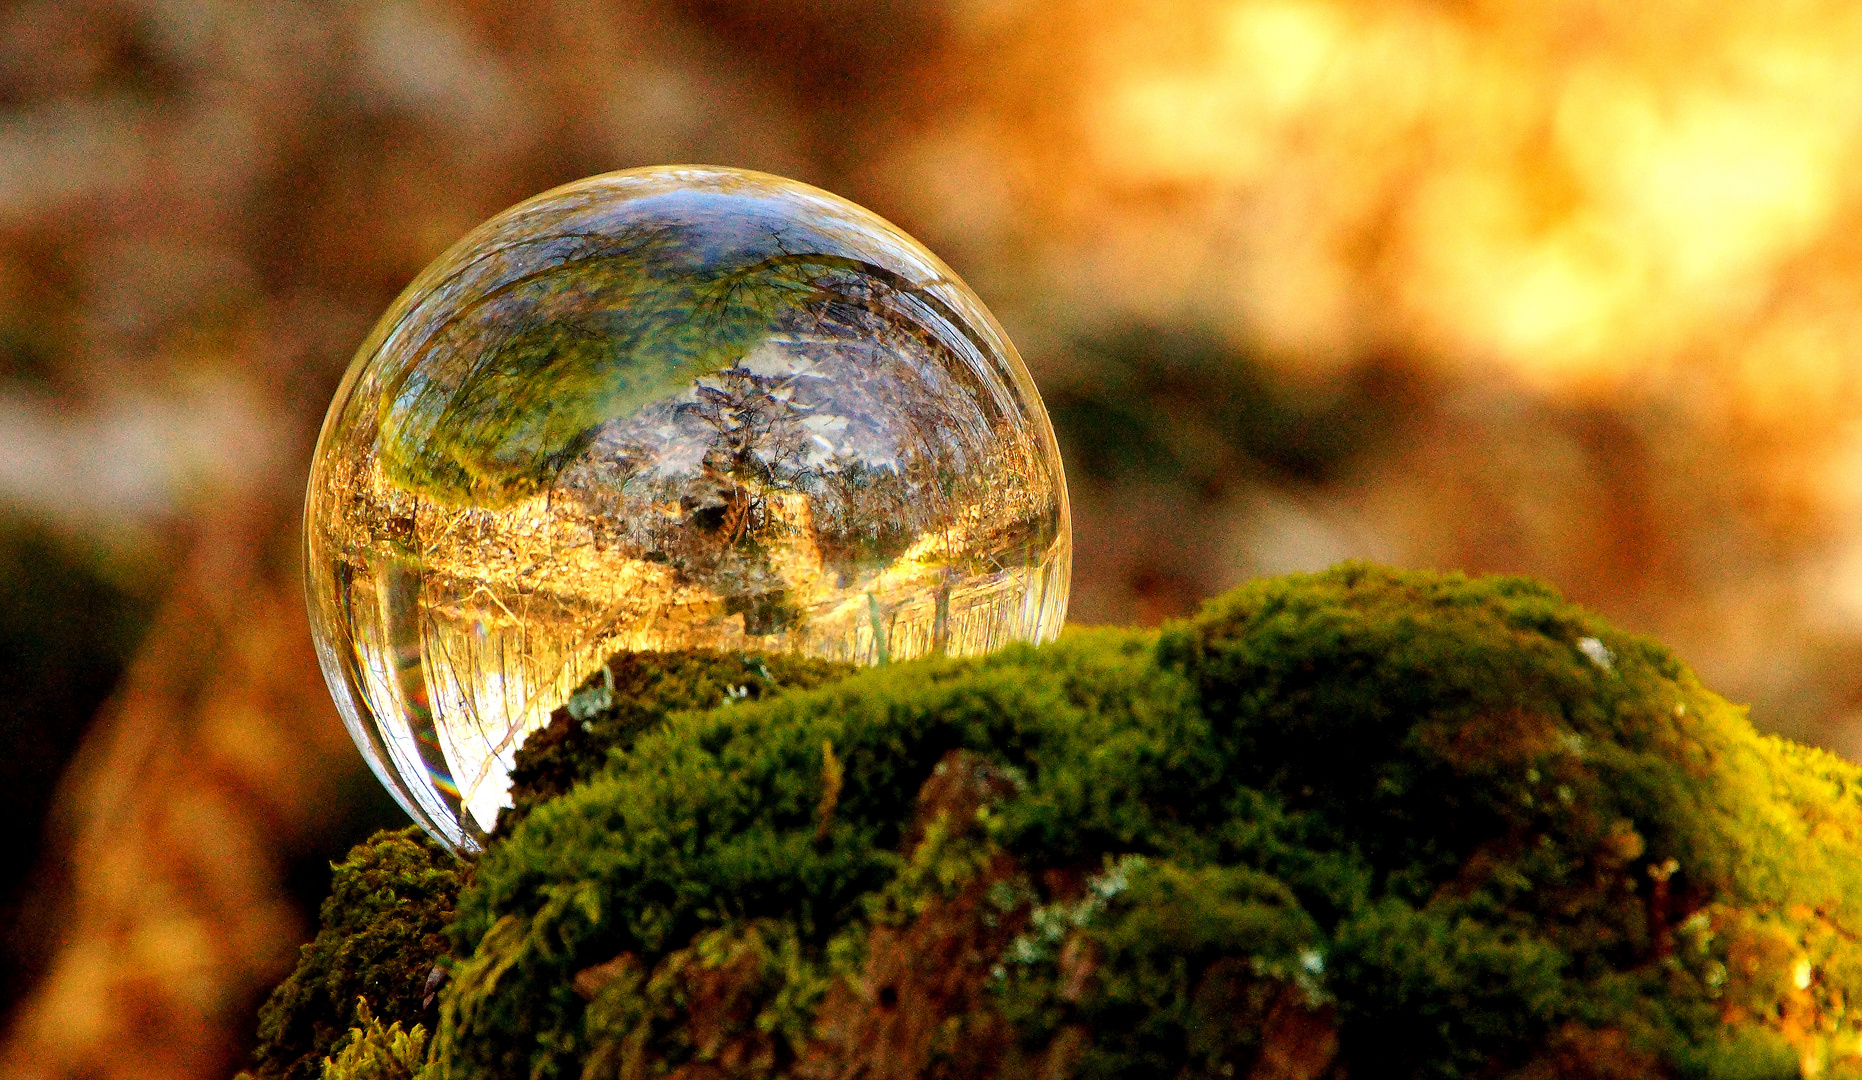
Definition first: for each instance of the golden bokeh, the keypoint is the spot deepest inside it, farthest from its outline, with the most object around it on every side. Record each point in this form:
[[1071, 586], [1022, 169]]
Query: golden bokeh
[[1571, 289]]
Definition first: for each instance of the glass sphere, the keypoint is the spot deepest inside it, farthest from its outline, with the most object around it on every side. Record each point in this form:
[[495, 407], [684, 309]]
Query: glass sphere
[[667, 408]]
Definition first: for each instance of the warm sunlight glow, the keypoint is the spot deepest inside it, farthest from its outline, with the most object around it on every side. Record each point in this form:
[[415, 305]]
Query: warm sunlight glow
[[1578, 194]]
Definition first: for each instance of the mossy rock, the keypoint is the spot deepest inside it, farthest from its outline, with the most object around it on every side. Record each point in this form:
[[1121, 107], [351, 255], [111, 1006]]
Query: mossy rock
[[1362, 823], [629, 695], [380, 940]]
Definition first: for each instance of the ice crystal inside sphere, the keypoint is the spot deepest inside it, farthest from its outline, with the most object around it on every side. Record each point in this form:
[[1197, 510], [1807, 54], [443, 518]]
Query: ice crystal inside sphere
[[660, 409]]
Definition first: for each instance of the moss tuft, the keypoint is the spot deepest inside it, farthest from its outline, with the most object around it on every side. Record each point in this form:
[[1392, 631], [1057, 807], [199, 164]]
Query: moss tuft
[[627, 696], [373, 1052], [381, 937]]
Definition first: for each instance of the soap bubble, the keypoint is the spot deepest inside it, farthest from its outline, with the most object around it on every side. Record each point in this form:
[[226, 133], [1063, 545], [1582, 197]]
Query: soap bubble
[[661, 409]]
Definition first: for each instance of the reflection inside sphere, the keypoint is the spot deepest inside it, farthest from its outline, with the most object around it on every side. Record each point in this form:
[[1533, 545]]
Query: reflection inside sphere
[[665, 409]]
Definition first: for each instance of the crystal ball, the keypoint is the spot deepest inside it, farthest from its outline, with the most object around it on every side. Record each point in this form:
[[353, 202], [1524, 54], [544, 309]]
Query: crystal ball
[[667, 408]]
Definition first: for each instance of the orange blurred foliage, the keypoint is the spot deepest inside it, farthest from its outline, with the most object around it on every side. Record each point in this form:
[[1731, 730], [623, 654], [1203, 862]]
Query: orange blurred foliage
[[1558, 287]]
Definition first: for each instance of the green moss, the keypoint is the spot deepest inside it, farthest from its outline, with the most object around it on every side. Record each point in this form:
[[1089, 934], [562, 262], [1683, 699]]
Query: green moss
[[381, 934], [714, 818], [380, 939], [1364, 822], [627, 696], [373, 1052], [1186, 964], [744, 996]]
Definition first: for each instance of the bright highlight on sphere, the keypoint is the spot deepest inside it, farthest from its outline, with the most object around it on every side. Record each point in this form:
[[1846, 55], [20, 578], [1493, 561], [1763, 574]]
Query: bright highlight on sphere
[[667, 408]]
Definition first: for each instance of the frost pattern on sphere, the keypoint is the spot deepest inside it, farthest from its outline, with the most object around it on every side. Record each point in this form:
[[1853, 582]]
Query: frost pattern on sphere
[[666, 408]]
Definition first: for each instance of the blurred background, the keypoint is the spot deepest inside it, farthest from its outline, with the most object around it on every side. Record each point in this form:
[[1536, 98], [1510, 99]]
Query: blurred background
[[1560, 287]]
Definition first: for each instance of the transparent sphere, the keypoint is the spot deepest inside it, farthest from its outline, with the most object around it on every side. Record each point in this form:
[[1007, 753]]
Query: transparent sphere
[[660, 409]]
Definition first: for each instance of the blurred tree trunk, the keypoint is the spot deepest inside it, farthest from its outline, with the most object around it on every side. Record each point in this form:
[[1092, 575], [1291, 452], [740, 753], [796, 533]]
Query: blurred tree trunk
[[218, 760]]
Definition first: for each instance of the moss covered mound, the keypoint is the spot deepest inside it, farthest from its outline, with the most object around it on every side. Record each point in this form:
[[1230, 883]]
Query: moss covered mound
[[1363, 823], [381, 938], [630, 694]]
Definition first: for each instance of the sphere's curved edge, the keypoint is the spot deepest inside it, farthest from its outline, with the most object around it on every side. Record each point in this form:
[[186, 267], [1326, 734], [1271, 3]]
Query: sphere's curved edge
[[848, 475]]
